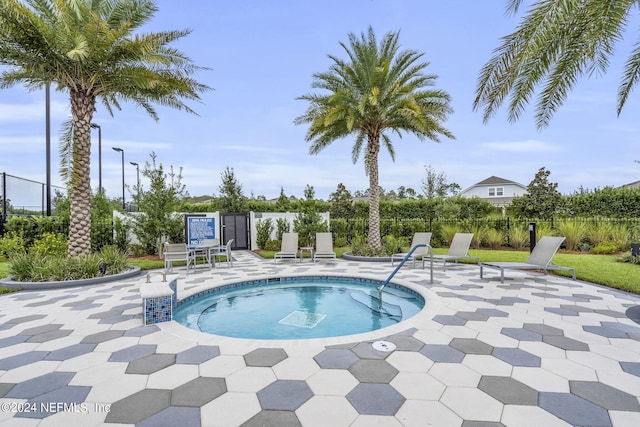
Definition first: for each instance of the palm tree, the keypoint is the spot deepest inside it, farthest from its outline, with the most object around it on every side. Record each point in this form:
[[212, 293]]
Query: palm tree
[[556, 42], [378, 91], [92, 50]]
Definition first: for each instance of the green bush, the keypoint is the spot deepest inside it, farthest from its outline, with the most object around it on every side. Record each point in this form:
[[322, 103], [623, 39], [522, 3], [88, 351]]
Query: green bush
[[518, 237], [605, 248], [50, 244], [272, 245], [448, 231], [340, 242], [264, 228], [12, 244], [493, 238], [630, 259], [114, 258], [282, 226], [573, 232]]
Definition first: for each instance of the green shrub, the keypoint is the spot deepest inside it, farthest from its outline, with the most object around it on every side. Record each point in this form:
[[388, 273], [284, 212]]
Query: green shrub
[[12, 244], [573, 232], [341, 242], [605, 248], [282, 226], [621, 236], [44, 268], [122, 230], [597, 233], [518, 237], [272, 245], [50, 244], [114, 258], [264, 228], [393, 245], [493, 238], [630, 259], [448, 231]]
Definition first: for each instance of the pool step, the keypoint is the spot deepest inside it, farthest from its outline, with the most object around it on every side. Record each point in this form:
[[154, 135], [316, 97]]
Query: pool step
[[373, 303]]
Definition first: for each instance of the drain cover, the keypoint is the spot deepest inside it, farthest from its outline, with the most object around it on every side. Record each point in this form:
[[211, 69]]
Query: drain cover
[[383, 346]]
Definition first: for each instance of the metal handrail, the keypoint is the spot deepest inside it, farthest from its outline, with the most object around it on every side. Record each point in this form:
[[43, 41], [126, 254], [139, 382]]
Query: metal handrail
[[406, 257]]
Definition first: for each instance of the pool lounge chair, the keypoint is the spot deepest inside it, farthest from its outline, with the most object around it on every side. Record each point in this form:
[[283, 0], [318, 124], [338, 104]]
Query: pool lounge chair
[[178, 252], [539, 259], [289, 247], [223, 251], [459, 249], [421, 251], [324, 246]]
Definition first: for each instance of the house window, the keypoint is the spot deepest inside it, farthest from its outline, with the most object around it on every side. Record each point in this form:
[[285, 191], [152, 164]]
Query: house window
[[496, 191]]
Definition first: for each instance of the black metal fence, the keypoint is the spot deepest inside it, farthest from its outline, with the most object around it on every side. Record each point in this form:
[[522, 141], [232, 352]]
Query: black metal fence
[[21, 196]]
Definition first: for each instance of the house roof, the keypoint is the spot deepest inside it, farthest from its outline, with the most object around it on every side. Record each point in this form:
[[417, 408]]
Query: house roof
[[635, 184], [495, 180]]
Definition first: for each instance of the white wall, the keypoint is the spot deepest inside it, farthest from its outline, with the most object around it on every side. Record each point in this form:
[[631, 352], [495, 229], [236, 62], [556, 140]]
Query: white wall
[[254, 217]]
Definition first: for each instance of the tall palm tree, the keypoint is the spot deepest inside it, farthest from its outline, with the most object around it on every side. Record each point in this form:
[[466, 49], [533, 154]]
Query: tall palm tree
[[93, 50], [377, 91], [556, 42]]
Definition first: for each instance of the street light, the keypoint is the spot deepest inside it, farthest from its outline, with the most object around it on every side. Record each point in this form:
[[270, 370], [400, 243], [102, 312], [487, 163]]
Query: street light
[[121, 151], [95, 126], [137, 174]]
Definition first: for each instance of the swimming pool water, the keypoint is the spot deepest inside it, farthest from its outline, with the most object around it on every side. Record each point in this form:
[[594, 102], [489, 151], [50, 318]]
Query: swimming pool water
[[298, 308]]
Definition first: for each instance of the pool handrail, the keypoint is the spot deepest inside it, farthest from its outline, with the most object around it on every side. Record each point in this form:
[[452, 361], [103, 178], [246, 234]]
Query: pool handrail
[[406, 257]]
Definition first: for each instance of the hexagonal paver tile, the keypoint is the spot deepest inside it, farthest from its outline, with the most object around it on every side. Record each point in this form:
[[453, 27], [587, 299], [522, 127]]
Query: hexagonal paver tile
[[472, 404], [405, 343], [13, 340], [22, 359], [508, 391], [132, 353], [449, 320], [36, 330], [573, 409], [332, 382], [142, 331], [521, 334], [492, 312], [606, 396], [25, 319], [284, 395], [150, 364], [198, 354], [323, 411], [365, 350], [472, 315], [139, 406], [336, 358], [373, 371], [6, 388], [265, 357], [375, 399], [52, 402], [471, 346], [40, 385], [70, 352], [49, 336], [173, 416], [565, 343], [273, 418], [198, 392], [442, 353], [103, 336], [632, 368], [542, 329], [516, 357]]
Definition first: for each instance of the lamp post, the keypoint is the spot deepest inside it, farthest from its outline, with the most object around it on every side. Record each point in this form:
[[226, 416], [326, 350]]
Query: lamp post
[[137, 175], [47, 97], [95, 126], [121, 151]]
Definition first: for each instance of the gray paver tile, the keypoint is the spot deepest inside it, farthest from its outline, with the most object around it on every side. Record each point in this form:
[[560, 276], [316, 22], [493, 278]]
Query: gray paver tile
[[70, 352], [632, 368], [139, 406], [542, 329], [508, 391], [373, 371], [198, 391], [565, 343], [273, 418], [24, 319], [405, 343], [132, 353], [49, 336], [336, 358], [103, 336], [265, 357], [54, 401], [468, 423], [375, 399], [450, 320], [198, 354], [471, 346], [22, 359], [442, 353], [42, 329], [521, 334], [141, 331], [606, 396], [472, 315], [574, 409], [517, 357], [492, 312], [173, 416], [150, 364], [364, 350], [16, 339], [40, 385], [5, 388], [284, 395]]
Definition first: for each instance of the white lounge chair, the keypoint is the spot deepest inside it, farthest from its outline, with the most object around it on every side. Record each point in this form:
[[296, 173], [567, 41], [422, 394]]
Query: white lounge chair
[[459, 249], [324, 246], [539, 259], [418, 238], [289, 247], [223, 251], [178, 252]]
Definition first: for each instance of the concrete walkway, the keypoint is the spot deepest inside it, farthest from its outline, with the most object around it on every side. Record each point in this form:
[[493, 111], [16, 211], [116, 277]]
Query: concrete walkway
[[536, 351]]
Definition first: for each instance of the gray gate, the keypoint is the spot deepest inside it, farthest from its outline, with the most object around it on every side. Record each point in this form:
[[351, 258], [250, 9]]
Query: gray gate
[[235, 226]]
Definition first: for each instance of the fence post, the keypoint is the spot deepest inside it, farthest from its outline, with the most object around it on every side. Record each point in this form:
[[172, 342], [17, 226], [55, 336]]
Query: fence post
[[532, 235]]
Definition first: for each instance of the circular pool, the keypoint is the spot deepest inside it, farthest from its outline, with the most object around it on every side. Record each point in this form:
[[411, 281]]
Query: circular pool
[[298, 307]]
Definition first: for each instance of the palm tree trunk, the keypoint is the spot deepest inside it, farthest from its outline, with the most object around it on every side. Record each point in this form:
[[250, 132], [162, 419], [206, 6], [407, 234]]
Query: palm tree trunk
[[373, 148], [82, 109]]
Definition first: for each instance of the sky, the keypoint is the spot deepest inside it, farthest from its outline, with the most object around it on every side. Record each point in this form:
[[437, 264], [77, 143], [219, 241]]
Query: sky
[[260, 56]]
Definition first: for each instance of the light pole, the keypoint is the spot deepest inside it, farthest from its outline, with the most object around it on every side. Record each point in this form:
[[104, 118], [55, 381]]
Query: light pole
[[137, 175], [121, 151], [95, 126], [47, 97]]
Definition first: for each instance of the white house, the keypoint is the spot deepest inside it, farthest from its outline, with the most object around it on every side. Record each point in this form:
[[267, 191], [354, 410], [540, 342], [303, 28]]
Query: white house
[[495, 190]]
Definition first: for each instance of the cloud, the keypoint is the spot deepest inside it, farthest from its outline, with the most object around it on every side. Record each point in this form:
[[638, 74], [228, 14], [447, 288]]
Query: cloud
[[32, 112], [528, 146]]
